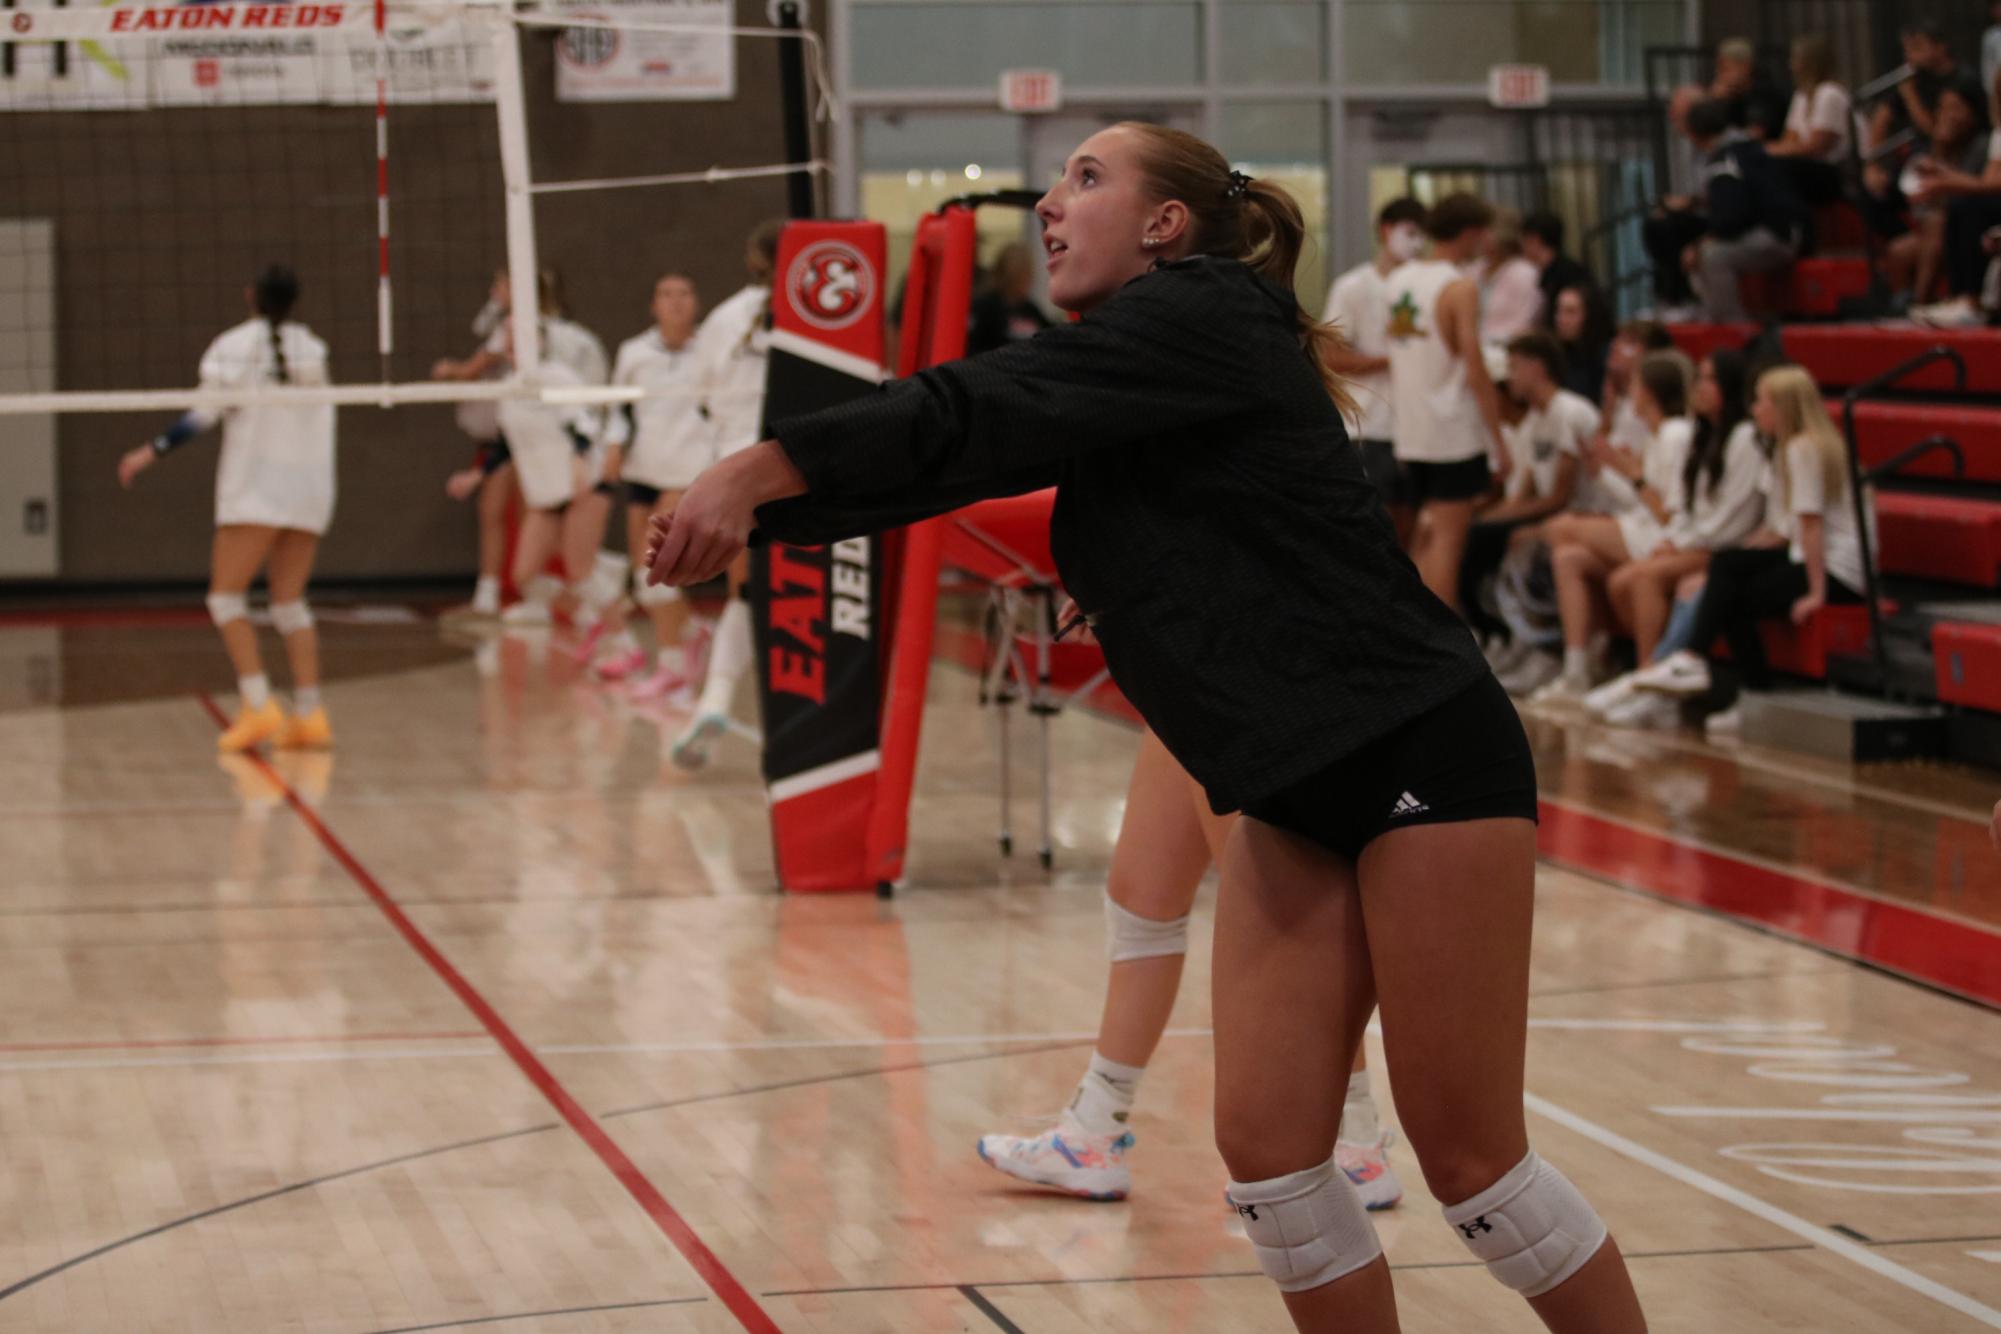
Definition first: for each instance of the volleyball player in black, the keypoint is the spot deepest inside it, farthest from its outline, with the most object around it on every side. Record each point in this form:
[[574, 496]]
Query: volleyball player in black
[[1251, 601]]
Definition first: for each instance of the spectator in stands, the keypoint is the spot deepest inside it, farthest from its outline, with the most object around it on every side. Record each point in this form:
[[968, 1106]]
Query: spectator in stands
[[1957, 154], [1819, 139], [1544, 442], [1755, 104], [1633, 341], [1990, 49], [1676, 222], [1807, 555], [1359, 305], [1584, 328], [1914, 104], [1542, 246], [1718, 502], [1006, 311], [1585, 549], [1755, 220], [1972, 205], [1510, 291]]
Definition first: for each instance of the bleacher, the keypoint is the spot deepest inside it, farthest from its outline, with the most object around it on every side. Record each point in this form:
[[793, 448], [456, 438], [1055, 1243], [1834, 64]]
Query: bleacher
[[1937, 516]]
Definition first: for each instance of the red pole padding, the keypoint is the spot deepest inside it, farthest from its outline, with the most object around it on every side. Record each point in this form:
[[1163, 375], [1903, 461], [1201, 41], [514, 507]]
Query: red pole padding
[[936, 306]]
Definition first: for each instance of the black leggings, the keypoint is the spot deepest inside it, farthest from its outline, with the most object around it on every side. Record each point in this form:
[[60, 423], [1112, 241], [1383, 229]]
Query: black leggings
[[1747, 585], [1666, 235], [1486, 544], [1966, 221]]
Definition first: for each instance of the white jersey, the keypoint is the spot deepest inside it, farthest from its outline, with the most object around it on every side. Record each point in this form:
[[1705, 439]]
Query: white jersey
[[277, 464], [576, 347], [1359, 303], [1437, 418], [554, 446], [671, 441], [732, 351], [1803, 490], [1660, 469], [1720, 516], [1540, 442]]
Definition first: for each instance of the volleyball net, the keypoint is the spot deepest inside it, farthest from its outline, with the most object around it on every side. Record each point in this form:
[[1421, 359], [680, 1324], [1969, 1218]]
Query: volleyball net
[[395, 154]]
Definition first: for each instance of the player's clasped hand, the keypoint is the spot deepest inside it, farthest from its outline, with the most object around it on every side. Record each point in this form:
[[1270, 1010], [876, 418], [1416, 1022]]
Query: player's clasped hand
[[712, 524]]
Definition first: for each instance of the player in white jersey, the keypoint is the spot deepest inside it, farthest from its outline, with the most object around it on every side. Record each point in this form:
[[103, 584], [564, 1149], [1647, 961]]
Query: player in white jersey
[[662, 443], [491, 475], [1359, 305], [732, 353], [274, 495], [1447, 413]]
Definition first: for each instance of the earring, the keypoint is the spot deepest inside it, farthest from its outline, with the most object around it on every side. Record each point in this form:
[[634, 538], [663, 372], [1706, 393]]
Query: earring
[[1149, 240]]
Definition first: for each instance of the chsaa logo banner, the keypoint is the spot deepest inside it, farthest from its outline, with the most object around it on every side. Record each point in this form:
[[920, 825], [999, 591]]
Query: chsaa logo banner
[[132, 56]]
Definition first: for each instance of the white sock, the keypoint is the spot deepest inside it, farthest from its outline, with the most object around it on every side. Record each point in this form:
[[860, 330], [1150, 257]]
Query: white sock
[[255, 691], [305, 699], [729, 659], [1104, 1097], [1359, 1122], [1576, 664], [586, 615], [543, 588], [623, 642], [486, 593]]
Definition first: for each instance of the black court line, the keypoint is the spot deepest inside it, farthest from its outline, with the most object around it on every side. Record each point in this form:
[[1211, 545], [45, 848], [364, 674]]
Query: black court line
[[1640, 891], [812, 1080], [530, 1315], [1935, 1241], [293, 1187], [989, 1310], [247, 1201], [1681, 981], [1850, 1233], [1059, 1281]]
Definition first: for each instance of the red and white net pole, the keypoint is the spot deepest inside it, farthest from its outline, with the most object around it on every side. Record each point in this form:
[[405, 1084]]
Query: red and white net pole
[[385, 339]]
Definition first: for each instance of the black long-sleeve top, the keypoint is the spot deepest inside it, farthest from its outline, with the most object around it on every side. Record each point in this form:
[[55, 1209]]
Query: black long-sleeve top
[[1211, 516]]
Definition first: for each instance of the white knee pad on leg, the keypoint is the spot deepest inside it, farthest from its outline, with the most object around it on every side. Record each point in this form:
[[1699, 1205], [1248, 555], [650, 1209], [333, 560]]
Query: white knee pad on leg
[[652, 595], [226, 607], [1308, 1228], [287, 617], [1531, 1227], [1130, 936]]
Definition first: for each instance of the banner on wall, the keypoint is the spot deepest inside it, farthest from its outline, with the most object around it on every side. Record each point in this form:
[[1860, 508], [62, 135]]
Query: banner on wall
[[685, 53], [134, 56]]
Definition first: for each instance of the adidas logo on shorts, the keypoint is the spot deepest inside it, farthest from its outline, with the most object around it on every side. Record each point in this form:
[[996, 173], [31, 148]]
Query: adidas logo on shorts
[[1408, 805]]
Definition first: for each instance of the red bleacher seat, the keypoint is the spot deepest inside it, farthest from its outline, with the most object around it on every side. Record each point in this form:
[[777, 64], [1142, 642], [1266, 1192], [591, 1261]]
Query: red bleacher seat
[[1802, 650], [1967, 658], [1840, 228], [1819, 286], [1940, 537], [1699, 340], [1884, 429], [1840, 355]]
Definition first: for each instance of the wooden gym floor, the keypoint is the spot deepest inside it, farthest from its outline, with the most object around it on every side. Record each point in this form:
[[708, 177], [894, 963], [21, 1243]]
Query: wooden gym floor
[[489, 1020]]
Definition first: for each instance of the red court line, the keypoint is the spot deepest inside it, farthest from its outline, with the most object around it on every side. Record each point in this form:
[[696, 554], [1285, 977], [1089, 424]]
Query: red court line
[[149, 1044], [731, 1293], [1955, 956]]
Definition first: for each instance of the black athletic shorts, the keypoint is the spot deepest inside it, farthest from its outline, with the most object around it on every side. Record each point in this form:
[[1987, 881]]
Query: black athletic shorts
[[1467, 479], [1467, 759], [1379, 461], [609, 490], [642, 495]]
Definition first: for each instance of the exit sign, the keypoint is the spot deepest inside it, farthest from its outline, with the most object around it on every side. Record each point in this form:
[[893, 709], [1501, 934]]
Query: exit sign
[[1518, 85], [1031, 90]]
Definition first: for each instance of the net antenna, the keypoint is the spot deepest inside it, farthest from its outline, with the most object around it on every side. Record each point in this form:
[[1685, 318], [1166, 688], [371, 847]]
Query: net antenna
[[408, 65]]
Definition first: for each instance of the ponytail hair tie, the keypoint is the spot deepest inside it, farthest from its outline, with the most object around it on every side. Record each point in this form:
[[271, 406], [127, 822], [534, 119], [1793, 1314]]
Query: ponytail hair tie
[[1240, 185]]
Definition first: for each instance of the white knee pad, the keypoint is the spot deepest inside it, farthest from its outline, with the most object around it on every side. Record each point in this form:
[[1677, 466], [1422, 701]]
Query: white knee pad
[[1531, 1227], [226, 607], [1308, 1228], [287, 617], [652, 595], [1130, 936]]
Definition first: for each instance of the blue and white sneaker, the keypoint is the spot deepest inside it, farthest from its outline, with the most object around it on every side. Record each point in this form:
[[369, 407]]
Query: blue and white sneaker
[[1064, 1158], [1368, 1167], [691, 751]]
